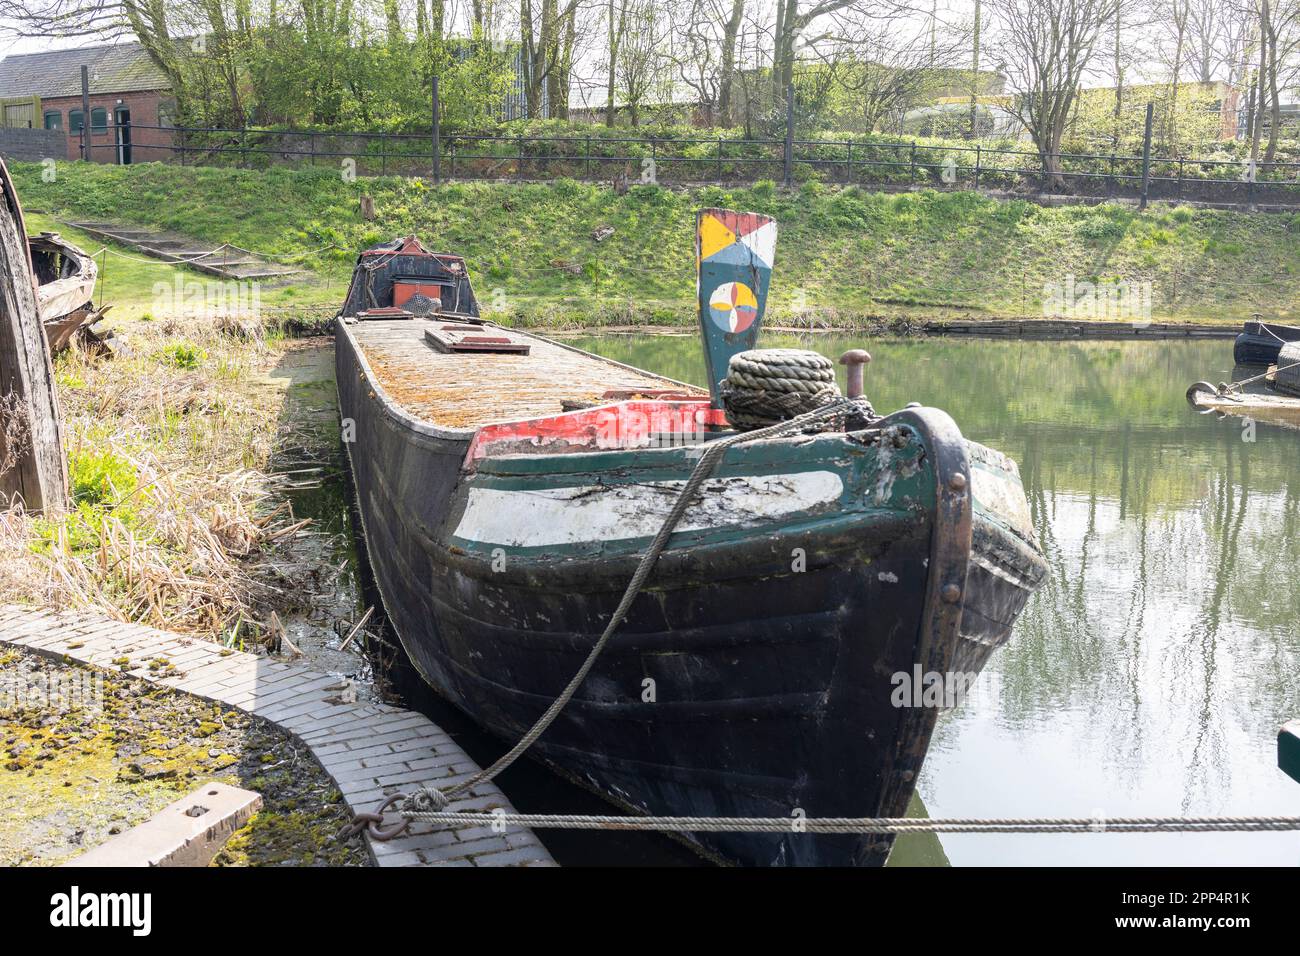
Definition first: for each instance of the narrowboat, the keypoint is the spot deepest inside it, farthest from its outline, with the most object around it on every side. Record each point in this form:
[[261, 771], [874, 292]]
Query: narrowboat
[[819, 604], [1260, 342]]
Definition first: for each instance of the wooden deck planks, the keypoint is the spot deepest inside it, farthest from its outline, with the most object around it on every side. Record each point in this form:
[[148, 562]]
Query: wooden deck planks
[[469, 390]]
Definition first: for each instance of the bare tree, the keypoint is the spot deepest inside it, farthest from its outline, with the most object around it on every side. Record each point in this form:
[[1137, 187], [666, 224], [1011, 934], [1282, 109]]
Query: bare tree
[[616, 24], [793, 18], [542, 36], [1174, 18], [641, 64], [1050, 46], [1216, 36], [896, 58], [702, 50]]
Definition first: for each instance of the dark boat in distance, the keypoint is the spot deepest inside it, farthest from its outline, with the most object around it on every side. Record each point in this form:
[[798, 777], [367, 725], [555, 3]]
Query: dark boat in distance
[[797, 639], [1260, 342]]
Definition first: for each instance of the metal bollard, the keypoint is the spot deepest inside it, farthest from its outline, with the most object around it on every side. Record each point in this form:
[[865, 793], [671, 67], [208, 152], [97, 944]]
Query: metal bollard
[[856, 360]]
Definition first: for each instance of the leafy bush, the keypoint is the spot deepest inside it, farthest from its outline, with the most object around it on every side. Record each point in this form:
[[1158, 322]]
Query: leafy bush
[[100, 478], [182, 355]]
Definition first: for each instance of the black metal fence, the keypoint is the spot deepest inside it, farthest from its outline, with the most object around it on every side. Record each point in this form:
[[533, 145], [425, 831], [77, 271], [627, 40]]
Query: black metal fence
[[867, 161]]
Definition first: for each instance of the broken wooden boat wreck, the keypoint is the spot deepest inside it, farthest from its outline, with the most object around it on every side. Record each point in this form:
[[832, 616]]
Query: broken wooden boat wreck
[[65, 287], [793, 646]]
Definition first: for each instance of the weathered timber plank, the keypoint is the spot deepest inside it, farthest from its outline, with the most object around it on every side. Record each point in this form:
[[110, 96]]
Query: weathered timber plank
[[32, 467]]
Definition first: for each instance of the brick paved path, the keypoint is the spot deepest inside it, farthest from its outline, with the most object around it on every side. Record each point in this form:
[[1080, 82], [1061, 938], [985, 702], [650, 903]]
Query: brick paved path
[[369, 749]]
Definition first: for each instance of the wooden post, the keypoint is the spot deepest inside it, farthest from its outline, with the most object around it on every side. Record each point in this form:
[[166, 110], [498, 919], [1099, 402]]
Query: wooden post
[[437, 136], [85, 113], [1146, 159], [32, 467]]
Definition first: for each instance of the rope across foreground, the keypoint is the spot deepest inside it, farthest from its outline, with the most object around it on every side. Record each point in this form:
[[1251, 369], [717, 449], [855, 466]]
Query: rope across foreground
[[431, 805], [863, 825]]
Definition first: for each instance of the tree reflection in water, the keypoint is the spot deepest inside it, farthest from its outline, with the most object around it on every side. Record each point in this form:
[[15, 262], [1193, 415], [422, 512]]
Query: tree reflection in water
[[1150, 674]]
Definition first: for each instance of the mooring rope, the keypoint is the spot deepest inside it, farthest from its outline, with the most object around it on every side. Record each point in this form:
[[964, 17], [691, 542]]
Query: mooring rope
[[1233, 389], [430, 804], [767, 386], [858, 825], [432, 799]]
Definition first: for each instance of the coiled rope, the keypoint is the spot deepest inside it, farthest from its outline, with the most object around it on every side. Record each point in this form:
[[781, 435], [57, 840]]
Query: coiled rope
[[767, 386], [431, 800]]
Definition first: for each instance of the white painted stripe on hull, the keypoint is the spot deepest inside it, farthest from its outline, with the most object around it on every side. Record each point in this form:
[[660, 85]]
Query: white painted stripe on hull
[[592, 513]]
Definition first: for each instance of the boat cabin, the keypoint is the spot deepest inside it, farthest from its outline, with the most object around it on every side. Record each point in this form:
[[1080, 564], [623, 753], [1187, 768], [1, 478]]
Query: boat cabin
[[413, 317]]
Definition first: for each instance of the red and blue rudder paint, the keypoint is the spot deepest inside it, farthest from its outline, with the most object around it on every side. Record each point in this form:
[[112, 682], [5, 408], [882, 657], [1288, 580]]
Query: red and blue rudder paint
[[733, 254]]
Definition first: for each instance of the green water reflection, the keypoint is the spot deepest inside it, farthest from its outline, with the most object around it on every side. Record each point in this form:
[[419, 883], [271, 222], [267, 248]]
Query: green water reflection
[[1151, 672]]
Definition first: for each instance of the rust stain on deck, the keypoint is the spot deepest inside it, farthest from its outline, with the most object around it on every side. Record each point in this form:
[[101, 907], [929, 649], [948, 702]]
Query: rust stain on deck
[[467, 390]]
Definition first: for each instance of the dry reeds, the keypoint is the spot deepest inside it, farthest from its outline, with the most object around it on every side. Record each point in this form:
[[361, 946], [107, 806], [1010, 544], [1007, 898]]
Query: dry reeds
[[175, 520]]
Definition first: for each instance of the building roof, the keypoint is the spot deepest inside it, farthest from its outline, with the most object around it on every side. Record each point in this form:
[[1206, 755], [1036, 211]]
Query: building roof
[[123, 68]]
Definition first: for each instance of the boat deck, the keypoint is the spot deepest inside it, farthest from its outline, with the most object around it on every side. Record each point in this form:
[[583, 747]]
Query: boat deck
[[467, 390], [1254, 401]]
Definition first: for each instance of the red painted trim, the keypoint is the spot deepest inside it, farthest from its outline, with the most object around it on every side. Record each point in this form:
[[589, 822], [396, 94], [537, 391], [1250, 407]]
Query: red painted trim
[[621, 426]]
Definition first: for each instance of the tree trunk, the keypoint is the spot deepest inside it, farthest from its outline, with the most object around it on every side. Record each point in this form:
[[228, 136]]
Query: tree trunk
[[1275, 100], [781, 48], [1171, 130], [32, 468], [546, 49], [615, 36], [728, 68], [531, 56], [975, 77], [563, 72], [1119, 80], [393, 21]]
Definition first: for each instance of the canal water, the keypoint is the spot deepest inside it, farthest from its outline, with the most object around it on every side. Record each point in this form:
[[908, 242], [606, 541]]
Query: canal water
[[1151, 672]]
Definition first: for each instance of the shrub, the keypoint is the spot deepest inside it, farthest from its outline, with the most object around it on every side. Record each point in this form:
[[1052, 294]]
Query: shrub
[[182, 355], [100, 478]]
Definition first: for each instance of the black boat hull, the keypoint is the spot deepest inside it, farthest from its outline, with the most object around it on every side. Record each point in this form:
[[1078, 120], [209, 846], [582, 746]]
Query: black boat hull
[[1260, 342], [774, 688]]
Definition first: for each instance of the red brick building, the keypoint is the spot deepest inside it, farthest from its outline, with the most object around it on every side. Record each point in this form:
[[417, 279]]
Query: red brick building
[[131, 103]]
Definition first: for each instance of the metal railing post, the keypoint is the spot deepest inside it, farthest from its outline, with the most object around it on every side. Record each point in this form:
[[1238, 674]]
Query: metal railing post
[[437, 136], [789, 134]]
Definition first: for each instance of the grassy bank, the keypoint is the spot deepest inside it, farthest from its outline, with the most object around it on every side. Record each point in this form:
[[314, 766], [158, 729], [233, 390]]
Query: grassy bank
[[845, 255]]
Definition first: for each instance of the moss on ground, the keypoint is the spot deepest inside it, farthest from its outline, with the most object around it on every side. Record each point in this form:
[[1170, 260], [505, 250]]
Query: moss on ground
[[73, 776]]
